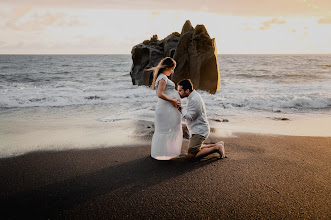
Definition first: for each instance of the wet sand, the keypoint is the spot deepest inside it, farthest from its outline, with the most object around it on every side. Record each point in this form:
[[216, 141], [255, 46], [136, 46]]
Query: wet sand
[[264, 177]]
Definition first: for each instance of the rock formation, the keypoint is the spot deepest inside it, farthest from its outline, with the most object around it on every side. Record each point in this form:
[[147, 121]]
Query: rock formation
[[148, 54], [196, 58], [194, 51]]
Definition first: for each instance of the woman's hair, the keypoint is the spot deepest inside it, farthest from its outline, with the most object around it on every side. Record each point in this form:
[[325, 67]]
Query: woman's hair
[[186, 84], [165, 63]]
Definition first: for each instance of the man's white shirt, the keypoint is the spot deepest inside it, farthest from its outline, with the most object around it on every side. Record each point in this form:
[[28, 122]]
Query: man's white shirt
[[195, 115]]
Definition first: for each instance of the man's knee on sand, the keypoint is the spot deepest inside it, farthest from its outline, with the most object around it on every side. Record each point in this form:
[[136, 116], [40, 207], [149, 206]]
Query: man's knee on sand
[[195, 144]]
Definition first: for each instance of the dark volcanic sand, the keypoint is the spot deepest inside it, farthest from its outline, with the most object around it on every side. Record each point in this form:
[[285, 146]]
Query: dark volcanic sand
[[264, 177]]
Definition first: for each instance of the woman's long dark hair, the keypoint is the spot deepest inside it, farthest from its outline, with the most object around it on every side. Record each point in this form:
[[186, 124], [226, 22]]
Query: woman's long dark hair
[[165, 63]]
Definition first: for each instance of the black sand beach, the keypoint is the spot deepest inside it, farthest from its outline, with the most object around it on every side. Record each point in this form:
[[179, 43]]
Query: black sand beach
[[264, 177]]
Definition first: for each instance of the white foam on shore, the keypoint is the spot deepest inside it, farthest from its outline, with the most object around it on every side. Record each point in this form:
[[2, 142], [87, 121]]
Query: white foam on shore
[[37, 129], [296, 125], [63, 129]]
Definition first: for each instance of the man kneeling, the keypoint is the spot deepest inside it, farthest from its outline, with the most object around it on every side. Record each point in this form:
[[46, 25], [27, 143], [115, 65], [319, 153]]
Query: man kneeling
[[197, 123]]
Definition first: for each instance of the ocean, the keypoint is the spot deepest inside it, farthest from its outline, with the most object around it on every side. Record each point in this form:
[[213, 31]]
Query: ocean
[[61, 102], [250, 85]]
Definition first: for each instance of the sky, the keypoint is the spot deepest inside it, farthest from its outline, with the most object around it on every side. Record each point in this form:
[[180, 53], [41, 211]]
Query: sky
[[116, 26]]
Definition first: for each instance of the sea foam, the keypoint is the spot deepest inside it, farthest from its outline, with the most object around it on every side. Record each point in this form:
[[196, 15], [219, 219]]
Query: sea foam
[[287, 83]]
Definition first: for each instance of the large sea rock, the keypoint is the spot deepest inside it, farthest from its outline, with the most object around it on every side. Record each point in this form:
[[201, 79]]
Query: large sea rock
[[148, 54], [194, 51]]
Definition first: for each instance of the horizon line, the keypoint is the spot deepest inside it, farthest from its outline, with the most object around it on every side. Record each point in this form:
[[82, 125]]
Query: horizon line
[[130, 54]]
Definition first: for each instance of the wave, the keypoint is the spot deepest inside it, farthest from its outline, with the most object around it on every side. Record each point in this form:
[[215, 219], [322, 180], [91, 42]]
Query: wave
[[294, 76], [308, 103], [133, 96], [64, 94], [247, 83]]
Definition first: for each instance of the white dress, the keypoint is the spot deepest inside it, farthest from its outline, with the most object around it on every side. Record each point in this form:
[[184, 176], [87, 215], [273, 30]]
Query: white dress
[[168, 135]]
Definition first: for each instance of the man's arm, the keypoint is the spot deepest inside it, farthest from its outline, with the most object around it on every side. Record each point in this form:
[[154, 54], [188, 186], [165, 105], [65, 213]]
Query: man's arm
[[193, 110]]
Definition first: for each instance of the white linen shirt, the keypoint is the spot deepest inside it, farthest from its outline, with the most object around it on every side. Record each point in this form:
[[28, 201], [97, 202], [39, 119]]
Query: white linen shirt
[[195, 115]]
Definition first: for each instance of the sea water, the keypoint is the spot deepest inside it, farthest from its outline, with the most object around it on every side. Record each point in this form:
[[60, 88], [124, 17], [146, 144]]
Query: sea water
[[250, 84], [60, 101]]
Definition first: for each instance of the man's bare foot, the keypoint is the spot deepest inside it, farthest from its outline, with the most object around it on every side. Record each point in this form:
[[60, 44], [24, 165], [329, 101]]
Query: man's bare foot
[[212, 145], [221, 149]]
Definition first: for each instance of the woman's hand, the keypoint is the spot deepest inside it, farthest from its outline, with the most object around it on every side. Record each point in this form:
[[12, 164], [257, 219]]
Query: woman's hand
[[179, 102], [160, 93], [179, 105], [174, 102]]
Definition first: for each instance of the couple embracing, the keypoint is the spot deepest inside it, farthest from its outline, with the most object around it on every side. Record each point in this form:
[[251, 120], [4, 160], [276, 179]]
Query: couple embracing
[[168, 135]]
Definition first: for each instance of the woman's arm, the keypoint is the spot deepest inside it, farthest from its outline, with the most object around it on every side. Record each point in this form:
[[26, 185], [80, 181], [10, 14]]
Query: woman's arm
[[161, 95]]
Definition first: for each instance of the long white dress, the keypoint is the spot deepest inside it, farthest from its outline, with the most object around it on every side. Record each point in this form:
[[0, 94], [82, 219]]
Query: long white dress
[[168, 135]]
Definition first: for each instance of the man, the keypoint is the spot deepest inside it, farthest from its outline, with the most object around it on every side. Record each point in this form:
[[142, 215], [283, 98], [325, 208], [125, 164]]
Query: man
[[197, 123]]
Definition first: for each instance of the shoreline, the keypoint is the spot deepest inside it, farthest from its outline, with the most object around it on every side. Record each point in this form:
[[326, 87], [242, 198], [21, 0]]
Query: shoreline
[[307, 125], [38, 129], [264, 176]]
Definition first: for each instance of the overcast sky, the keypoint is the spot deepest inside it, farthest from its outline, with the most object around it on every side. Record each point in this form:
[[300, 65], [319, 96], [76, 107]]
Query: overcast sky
[[114, 27]]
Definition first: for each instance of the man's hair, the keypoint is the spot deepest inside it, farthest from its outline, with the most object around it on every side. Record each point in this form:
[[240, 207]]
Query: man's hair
[[186, 84]]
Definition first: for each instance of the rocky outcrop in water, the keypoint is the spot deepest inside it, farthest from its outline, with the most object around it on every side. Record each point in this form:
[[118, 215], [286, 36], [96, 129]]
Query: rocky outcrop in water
[[148, 54], [194, 51], [196, 58]]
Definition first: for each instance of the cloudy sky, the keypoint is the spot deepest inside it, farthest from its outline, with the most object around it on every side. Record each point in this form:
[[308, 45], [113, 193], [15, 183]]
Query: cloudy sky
[[115, 26]]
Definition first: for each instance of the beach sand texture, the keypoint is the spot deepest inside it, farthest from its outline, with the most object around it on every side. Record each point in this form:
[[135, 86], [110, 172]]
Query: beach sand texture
[[264, 177]]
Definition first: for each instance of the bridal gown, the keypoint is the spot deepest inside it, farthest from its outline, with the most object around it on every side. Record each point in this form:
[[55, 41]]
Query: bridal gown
[[168, 135]]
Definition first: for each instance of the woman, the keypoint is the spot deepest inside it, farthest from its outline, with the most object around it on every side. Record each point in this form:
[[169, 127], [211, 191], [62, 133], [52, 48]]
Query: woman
[[168, 135]]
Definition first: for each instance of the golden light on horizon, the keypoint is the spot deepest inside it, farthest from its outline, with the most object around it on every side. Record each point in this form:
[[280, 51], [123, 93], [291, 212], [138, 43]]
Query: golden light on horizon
[[29, 29]]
